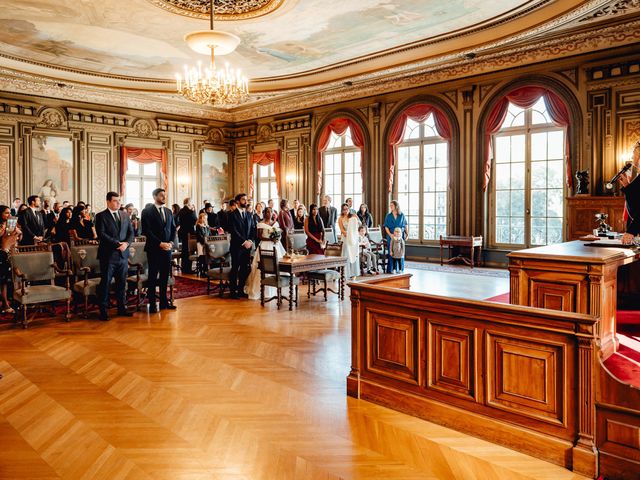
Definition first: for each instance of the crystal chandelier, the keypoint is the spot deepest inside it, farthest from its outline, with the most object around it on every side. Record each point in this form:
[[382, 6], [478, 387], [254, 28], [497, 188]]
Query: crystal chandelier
[[222, 87]]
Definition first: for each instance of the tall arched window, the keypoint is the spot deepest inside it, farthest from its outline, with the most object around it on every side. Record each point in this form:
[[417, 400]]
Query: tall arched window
[[527, 195], [422, 178], [342, 176], [266, 184]]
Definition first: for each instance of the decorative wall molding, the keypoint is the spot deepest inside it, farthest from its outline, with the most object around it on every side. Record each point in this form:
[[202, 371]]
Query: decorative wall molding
[[292, 123], [619, 7], [52, 118]]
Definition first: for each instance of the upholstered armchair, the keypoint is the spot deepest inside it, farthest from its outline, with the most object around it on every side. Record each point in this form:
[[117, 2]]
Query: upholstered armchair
[[139, 281], [325, 275], [297, 242], [86, 271], [34, 279], [330, 236], [219, 263], [270, 276]]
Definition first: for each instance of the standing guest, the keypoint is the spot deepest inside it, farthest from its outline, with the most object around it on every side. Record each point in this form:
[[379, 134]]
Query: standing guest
[[365, 217], [396, 251], [8, 240], [328, 213], [89, 213], [212, 218], [134, 217], [258, 214], [285, 221], [223, 209], [204, 206], [298, 219], [349, 225], [16, 206], [65, 204], [187, 219], [115, 234], [394, 219], [51, 217], [314, 228], [243, 234], [349, 202], [366, 255], [202, 232], [159, 228], [80, 227], [21, 209], [294, 209], [271, 205], [46, 213], [175, 211], [223, 219], [631, 191], [31, 222], [61, 233]]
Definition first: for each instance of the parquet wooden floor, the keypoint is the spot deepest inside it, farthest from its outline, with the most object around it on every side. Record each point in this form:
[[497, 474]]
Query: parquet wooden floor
[[219, 389]]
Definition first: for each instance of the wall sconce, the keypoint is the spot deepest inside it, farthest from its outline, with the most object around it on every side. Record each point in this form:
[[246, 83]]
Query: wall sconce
[[291, 180], [183, 181]]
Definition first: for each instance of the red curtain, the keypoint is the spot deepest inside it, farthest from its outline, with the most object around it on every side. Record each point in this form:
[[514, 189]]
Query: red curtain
[[339, 126], [418, 113], [143, 155], [526, 97], [265, 158]]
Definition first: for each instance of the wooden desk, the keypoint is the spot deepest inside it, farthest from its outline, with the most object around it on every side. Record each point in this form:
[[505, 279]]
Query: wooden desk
[[307, 263], [459, 241], [571, 277]]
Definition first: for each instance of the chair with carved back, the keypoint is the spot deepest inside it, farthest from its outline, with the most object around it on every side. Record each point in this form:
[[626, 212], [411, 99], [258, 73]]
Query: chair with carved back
[[218, 263], [378, 245], [86, 270], [325, 275], [297, 242], [34, 278], [330, 236], [139, 282], [270, 276]]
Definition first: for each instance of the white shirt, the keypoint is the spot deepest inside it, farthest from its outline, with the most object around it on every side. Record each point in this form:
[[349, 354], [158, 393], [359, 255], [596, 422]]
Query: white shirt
[[161, 211]]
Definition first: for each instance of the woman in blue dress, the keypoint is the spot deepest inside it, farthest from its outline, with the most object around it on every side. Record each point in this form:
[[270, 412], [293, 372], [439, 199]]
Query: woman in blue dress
[[394, 219]]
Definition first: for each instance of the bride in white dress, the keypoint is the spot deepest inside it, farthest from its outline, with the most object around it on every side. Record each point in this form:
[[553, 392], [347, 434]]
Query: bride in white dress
[[252, 288], [349, 224]]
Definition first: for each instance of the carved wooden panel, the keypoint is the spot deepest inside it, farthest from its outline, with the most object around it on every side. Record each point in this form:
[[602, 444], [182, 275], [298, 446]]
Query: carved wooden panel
[[6, 130], [554, 295], [581, 211], [183, 177], [5, 174], [526, 377], [393, 345], [99, 138], [99, 168], [452, 359], [618, 434]]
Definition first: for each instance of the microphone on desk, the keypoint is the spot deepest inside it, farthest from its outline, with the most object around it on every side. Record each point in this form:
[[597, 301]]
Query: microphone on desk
[[615, 178]]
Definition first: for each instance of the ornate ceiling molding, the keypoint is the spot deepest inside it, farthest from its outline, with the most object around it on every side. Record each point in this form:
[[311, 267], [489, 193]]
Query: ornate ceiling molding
[[621, 7], [224, 9]]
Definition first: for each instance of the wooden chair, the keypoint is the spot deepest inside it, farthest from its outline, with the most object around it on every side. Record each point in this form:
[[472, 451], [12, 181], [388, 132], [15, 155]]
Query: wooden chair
[[325, 275], [297, 242], [34, 273], [218, 262], [378, 246], [330, 236], [86, 270], [270, 276], [140, 281]]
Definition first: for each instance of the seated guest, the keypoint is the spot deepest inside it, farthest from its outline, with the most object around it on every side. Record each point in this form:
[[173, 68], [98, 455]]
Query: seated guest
[[396, 250], [298, 220], [202, 232], [61, 233], [365, 217], [81, 228], [31, 222], [366, 255], [314, 228], [8, 240]]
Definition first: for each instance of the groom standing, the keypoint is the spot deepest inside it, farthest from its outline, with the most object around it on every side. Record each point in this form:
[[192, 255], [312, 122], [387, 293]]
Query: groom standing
[[243, 232]]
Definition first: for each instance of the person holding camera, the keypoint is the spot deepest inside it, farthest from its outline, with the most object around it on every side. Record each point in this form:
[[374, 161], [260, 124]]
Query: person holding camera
[[9, 236]]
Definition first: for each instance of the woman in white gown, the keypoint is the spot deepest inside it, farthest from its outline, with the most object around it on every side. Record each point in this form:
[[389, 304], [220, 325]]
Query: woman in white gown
[[252, 288], [349, 224]]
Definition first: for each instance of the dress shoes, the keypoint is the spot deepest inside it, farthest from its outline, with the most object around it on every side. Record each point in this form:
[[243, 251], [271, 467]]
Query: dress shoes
[[153, 308], [104, 316], [168, 307]]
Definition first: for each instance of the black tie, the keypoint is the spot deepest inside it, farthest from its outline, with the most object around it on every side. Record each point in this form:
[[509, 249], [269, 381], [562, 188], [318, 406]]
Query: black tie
[[117, 219]]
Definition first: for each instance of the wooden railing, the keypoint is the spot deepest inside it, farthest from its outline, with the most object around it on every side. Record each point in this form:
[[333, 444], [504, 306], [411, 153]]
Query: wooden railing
[[518, 376]]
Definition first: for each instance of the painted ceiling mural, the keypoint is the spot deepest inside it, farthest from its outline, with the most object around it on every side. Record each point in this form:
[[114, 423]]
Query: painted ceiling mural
[[135, 38]]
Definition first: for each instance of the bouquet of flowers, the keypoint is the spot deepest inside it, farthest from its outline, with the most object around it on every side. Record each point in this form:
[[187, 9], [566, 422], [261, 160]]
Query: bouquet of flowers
[[274, 234]]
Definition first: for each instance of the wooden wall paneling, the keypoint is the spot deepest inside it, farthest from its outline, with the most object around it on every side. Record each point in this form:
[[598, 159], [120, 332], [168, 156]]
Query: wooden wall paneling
[[241, 177], [469, 222], [6, 162], [183, 173], [581, 211], [99, 173], [599, 104]]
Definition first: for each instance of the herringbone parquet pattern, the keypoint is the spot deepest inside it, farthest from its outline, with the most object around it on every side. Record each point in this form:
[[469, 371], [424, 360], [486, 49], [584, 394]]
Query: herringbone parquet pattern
[[218, 389]]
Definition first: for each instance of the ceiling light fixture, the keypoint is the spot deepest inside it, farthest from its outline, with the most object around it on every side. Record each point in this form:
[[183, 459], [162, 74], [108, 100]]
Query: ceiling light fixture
[[224, 87]]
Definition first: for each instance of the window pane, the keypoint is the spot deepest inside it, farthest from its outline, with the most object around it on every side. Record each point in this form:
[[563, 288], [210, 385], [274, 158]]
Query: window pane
[[517, 230], [503, 149], [414, 204], [517, 148], [517, 175], [556, 145], [555, 174], [148, 186], [403, 158], [430, 204], [414, 157], [328, 164], [539, 203], [430, 180], [503, 176], [503, 203], [517, 203], [538, 175], [348, 162], [150, 169], [429, 156], [133, 168], [539, 146]]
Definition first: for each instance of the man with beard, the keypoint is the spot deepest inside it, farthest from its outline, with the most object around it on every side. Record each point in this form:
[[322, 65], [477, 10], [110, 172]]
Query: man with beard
[[243, 232]]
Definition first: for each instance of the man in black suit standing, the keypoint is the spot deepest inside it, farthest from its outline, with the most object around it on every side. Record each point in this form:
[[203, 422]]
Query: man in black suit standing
[[328, 214], [631, 190], [16, 205], [31, 222], [187, 219], [243, 232], [115, 234], [159, 228]]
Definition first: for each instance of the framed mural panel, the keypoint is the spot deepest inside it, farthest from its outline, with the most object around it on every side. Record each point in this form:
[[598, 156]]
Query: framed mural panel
[[52, 168], [215, 176]]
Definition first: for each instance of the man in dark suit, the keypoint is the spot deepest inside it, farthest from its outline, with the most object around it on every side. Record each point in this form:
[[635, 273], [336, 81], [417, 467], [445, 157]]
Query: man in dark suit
[[16, 205], [243, 233], [115, 234], [31, 222], [631, 190], [159, 228], [187, 219], [212, 218], [328, 214]]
